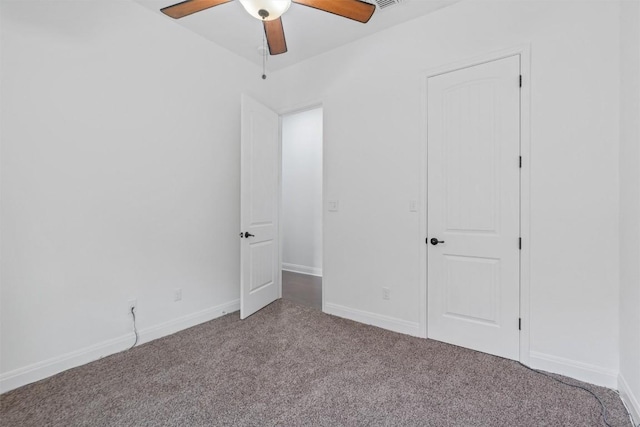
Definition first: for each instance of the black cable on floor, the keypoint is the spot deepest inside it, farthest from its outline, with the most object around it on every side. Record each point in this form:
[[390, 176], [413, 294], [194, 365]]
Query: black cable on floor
[[603, 411], [135, 330]]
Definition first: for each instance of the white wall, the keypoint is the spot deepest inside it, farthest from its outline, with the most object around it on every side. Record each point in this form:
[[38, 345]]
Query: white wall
[[302, 192], [371, 92], [630, 206], [120, 179]]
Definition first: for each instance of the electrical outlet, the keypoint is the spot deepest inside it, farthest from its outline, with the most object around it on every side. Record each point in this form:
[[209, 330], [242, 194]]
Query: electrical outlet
[[177, 294], [132, 304], [386, 293]]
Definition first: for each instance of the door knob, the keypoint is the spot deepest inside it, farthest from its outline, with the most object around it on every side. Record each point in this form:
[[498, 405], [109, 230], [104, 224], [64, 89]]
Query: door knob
[[247, 235], [435, 241]]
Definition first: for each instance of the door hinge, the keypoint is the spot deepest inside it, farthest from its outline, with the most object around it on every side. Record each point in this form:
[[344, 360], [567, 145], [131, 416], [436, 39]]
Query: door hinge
[[519, 324], [520, 80], [519, 242], [520, 162]]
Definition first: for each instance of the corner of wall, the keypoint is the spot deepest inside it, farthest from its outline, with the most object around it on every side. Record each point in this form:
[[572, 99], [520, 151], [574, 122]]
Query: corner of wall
[[629, 399], [629, 207]]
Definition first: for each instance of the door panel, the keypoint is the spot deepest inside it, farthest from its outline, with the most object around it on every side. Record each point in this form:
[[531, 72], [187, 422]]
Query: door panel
[[469, 156], [477, 303], [260, 252], [261, 264], [473, 206]]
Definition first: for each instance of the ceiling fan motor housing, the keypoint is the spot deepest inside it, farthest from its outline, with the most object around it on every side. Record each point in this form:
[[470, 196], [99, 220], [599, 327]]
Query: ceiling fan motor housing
[[266, 10]]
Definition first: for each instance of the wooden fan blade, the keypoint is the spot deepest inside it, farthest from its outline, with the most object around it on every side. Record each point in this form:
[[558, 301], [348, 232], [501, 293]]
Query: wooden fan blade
[[352, 9], [188, 7], [275, 36]]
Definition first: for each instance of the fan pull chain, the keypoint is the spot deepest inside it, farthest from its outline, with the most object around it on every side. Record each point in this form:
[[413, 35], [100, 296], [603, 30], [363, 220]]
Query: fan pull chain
[[264, 55]]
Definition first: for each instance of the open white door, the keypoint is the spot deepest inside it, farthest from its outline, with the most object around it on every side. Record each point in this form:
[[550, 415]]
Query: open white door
[[260, 282], [474, 207]]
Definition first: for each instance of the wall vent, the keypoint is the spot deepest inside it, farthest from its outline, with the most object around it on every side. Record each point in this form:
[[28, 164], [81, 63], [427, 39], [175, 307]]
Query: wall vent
[[383, 4]]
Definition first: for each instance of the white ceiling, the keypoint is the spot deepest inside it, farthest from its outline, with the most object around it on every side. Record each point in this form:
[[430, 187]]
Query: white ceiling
[[308, 31]]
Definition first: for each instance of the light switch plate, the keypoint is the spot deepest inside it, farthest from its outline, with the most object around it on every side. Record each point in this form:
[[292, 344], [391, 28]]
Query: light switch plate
[[413, 206], [333, 205]]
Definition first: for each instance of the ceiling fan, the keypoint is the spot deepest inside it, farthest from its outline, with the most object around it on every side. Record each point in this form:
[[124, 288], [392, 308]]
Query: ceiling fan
[[270, 12]]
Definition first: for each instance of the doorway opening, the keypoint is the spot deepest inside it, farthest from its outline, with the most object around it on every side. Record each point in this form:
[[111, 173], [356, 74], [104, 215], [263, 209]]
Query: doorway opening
[[301, 207]]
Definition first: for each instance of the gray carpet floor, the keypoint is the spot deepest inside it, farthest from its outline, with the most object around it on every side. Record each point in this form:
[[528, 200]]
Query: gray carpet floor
[[290, 365]]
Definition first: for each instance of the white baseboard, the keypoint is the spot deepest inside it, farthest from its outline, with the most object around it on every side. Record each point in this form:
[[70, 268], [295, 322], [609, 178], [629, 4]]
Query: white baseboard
[[46, 368], [184, 322], [572, 368], [374, 319], [629, 399], [302, 269]]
